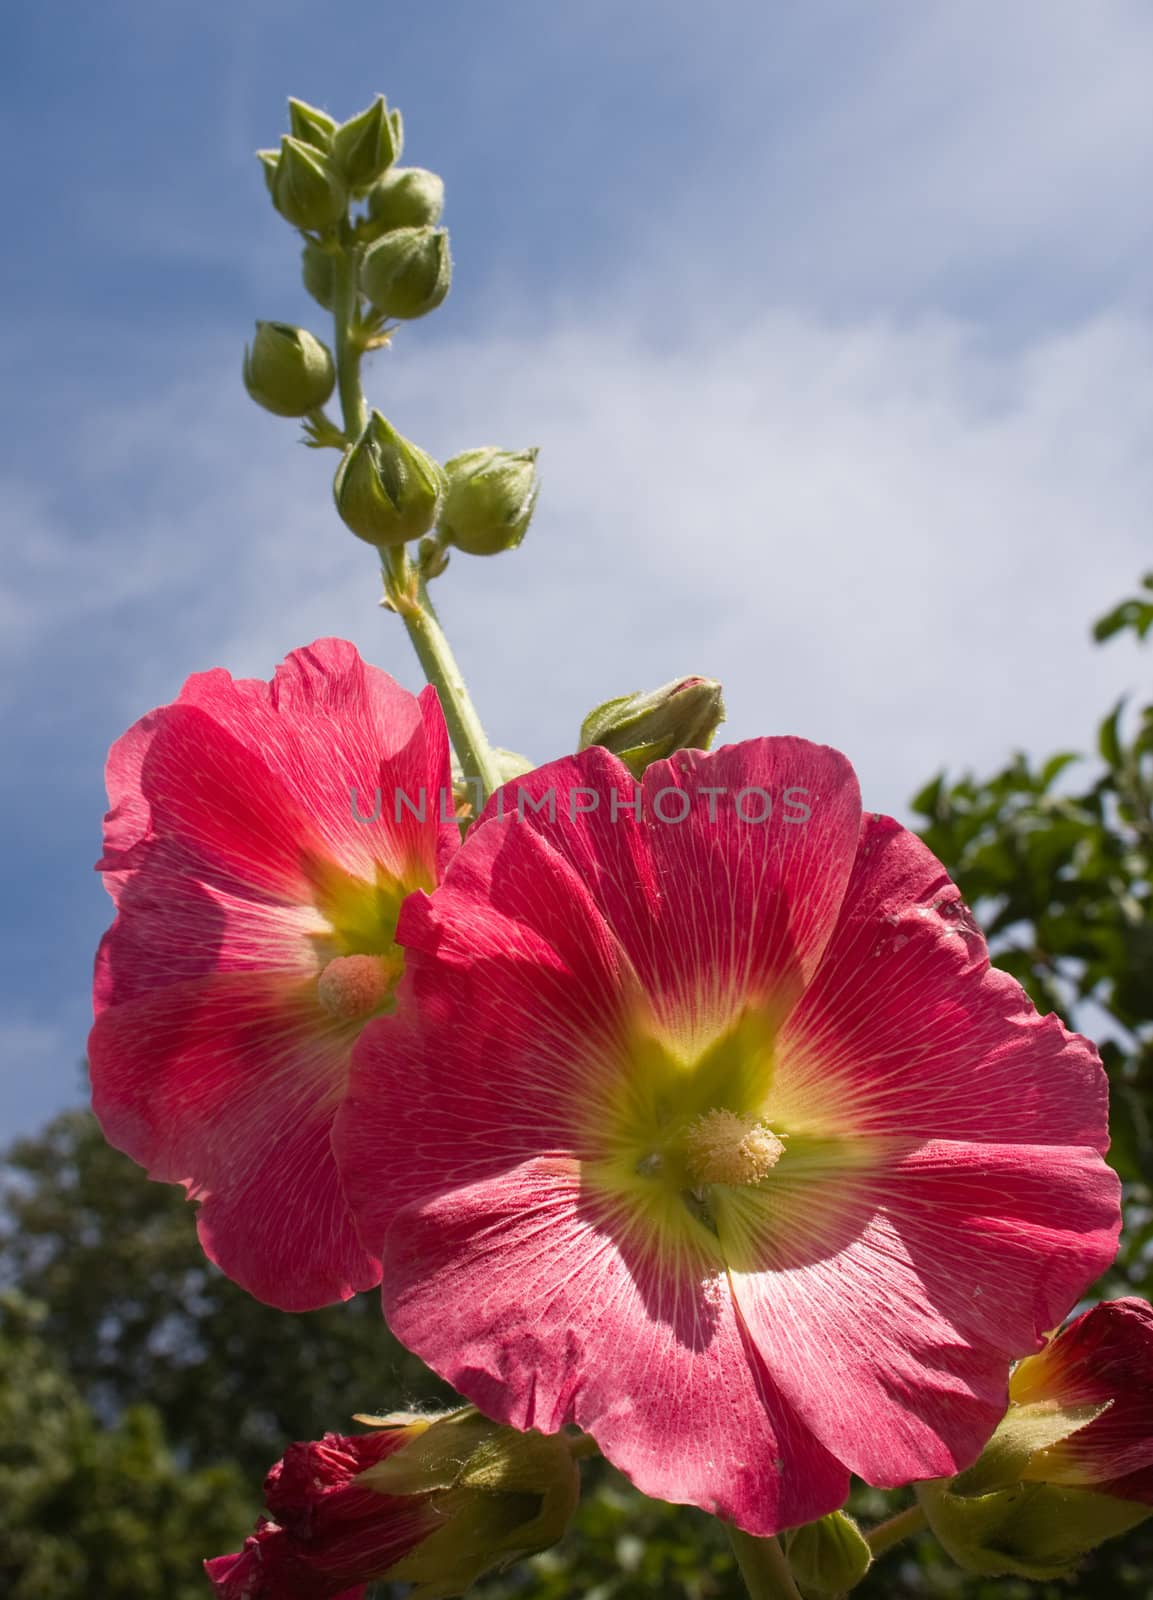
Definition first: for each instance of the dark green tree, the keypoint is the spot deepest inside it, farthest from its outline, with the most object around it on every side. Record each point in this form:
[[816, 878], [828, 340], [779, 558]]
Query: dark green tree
[[91, 1509], [138, 1313]]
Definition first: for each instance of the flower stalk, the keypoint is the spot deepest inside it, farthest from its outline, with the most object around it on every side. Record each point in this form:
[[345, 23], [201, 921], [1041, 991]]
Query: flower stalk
[[763, 1566], [892, 1531], [405, 590]]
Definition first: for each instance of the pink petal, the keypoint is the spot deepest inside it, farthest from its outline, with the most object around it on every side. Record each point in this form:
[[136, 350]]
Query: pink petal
[[229, 1085], [255, 780], [906, 1029], [513, 960], [716, 911], [541, 1309], [174, 927], [887, 1304]]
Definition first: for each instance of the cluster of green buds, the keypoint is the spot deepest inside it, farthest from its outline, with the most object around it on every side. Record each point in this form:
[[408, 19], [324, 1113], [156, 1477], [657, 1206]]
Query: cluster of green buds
[[374, 256]]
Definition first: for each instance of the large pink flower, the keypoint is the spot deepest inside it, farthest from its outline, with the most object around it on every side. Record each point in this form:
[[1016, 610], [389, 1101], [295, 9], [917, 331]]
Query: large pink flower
[[254, 936], [721, 1138]]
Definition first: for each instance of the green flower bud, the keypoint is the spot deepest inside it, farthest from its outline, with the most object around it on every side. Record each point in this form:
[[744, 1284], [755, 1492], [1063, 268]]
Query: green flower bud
[[287, 370], [1034, 1530], [318, 272], [432, 558], [387, 490], [363, 147], [828, 1556], [490, 499], [311, 126], [306, 191], [397, 133], [407, 273], [510, 764], [643, 728], [269, 160], [406, 197], [500, 1495]]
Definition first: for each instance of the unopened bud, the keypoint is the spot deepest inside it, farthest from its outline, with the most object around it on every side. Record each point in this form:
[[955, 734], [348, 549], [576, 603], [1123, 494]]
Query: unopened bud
[[306, 191], [505, 1495], [363, 148], [397, 122], [643, 728], [407, 273], [310, 125], [432, 558], [406, 197], [387, 490], [318, 272], [431, 1501], [287, 370], [269, 160], [1033, 1530], [828, 1556], [490, 499]]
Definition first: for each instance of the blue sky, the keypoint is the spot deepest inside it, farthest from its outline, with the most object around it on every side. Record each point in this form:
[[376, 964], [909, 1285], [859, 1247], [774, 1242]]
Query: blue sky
[[832, 322]]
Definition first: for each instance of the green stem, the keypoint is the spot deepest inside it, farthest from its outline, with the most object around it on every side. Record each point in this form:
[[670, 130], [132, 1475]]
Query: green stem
[[763, 1566], [405, 590], [348, 350], [886, 1534], [439, 665]]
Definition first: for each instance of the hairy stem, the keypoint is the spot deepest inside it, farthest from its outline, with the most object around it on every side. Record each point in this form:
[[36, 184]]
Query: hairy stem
[[410, 599], [348, 351], [886, 1534], [763, 1566]]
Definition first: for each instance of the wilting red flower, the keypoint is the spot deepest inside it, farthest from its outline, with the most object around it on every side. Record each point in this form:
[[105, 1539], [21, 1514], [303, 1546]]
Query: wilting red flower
[[435, 1501], [255, 934], [328, 1536], [1104, 1357], [721, 1138]]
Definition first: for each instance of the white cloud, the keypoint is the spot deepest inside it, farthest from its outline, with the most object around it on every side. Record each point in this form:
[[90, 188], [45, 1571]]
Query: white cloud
[[886, 536]]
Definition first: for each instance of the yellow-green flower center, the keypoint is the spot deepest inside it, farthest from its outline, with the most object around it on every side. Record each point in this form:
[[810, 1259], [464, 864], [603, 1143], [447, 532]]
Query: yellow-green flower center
[[360, 962]]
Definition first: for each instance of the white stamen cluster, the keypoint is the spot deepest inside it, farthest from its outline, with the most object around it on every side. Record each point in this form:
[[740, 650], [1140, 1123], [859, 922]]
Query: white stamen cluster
[[724, 1147]]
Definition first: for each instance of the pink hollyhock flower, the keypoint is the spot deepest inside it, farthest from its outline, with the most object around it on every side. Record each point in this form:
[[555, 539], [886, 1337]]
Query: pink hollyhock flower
[[328, 1536], [255, 934], [1104, 1357], [722, 1139]]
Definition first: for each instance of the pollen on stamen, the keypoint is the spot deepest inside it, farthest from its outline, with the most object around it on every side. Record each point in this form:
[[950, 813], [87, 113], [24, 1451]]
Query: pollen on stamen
[[351, 987], [724, 1147]]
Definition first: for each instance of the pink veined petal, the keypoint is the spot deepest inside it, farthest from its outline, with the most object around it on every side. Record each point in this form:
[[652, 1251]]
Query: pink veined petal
[[508, 1024], [172, 928], [543, 1311], [906, 1030], [186, 796], [717, 910], [229, 1084], [257, 780], [887, 1305]]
